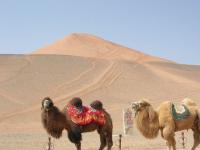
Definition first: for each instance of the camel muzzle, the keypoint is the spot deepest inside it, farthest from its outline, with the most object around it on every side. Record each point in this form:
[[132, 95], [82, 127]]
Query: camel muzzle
[[135, 107], [47, 105]]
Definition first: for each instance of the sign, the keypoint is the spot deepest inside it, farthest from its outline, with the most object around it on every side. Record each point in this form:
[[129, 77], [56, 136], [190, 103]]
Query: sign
[[128, 121]]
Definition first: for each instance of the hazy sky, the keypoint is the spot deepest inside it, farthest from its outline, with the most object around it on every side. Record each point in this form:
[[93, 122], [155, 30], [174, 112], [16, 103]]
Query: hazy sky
[[164, 28]]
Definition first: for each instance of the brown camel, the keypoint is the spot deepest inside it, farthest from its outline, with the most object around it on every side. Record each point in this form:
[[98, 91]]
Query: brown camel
[[55, 121], [150, 121]]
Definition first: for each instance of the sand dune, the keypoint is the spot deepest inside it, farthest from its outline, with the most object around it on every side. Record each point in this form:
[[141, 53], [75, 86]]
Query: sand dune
[[91, 68], [86, 45]]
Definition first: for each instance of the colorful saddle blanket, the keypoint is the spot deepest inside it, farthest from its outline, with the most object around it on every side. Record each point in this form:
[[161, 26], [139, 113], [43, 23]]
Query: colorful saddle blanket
[[86, 115], [180, 112]]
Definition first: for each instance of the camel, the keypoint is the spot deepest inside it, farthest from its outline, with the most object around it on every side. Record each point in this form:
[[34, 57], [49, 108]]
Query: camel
[[55, 121], [150, 121]]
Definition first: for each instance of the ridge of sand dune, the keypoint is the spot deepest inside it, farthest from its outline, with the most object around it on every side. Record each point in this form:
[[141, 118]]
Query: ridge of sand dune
[[86, 45]]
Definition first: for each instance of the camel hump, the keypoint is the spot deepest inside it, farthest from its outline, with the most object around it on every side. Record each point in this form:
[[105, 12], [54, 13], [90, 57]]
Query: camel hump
[[98, 105], [188, 102], [77, 102]]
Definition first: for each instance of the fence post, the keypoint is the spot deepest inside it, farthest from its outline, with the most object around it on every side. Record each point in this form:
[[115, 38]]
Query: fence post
[[183, 139], [49, 144], [120, 142]]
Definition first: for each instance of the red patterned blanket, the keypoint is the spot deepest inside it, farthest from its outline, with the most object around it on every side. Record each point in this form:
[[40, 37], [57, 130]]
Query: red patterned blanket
[[86, 115]]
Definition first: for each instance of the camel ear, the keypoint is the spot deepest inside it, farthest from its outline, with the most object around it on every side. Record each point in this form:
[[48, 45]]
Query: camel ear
[[152, 113], [42, 104]]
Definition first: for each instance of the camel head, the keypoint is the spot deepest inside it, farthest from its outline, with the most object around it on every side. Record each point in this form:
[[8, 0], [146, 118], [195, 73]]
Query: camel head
[[47, 104], [139, 106], [146, 119]]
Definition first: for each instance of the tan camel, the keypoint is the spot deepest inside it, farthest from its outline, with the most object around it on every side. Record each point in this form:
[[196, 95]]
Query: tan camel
[[150, 121]]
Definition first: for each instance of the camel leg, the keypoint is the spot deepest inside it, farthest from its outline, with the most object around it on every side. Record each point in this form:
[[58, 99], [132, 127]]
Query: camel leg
[[102, 140], [75, 137], [168, 135], [78, 146], [196, 136], [109, 141], [172, 142]]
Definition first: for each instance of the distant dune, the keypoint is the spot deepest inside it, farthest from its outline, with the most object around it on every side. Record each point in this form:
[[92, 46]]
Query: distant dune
[[92, 68], [86, 45]]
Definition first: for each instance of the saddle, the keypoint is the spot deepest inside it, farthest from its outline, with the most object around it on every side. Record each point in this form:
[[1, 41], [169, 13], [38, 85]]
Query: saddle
[[85, 115], [180, 112]]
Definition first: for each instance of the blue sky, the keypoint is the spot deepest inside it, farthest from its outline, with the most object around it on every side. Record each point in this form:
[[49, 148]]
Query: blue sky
[[164, 28]]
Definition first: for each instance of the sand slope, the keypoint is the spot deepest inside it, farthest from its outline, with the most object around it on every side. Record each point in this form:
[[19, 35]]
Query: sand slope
[[86, 45], [91, 68]]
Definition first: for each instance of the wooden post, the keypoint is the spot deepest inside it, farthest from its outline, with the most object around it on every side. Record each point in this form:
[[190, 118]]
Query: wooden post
[[49, 144], [183, 139], [120, 142]]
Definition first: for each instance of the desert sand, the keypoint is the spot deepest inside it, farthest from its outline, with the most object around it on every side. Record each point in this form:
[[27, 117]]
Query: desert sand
[[92, 68]]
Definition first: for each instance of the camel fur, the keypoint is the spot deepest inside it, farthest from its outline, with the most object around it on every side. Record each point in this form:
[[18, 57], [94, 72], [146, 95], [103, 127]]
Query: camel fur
[[55, 121], [149, 121]]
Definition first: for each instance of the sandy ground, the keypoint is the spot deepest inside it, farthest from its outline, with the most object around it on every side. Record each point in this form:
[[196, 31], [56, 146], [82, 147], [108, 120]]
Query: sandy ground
[[116, 76]]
